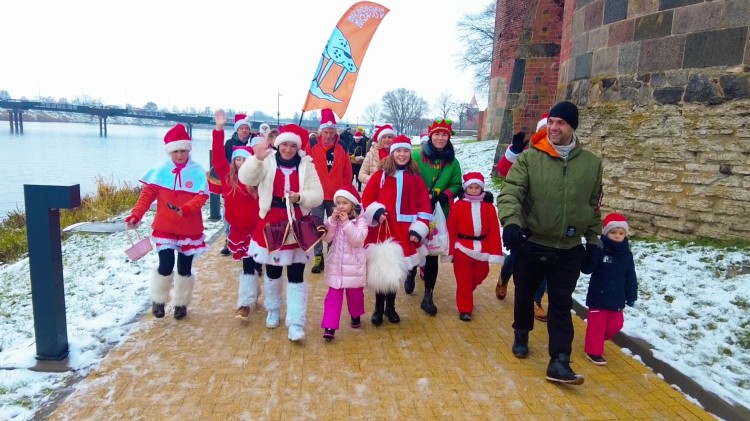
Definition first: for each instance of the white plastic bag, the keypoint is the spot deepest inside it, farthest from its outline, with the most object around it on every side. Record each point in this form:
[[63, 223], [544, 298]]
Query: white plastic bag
[[437, 239]]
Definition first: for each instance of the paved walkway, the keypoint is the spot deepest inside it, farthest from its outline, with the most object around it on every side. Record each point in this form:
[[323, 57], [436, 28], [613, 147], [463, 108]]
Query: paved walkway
[[211, 366]]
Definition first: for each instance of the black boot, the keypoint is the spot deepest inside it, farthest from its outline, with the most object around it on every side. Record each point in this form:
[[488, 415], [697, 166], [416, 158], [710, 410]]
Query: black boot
[[225, 251], [377, 315], [180, 312], [409, 282], [427, 305], [390, 308], [157, 310], [319, 265], [559, 371], [521, 343]]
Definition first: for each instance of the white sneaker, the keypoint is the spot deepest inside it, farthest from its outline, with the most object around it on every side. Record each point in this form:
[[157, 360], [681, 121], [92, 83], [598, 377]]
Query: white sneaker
[[296, 333], [272, 319]]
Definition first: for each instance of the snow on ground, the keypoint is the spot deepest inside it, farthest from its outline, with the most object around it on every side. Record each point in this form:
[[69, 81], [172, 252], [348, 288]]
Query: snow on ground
[[694, 315]]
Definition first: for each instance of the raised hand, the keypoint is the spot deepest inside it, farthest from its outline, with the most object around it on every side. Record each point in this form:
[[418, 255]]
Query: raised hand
[[220, 118], [262, 150]]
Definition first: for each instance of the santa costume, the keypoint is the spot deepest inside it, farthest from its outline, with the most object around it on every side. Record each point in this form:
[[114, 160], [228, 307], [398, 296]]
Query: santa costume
[[180, 191], [276, 178], [402, 198], [241, 213], [474, 233]]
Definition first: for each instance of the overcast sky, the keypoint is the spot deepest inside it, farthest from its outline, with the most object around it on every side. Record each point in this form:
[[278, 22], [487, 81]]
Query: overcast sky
[[223, 54]]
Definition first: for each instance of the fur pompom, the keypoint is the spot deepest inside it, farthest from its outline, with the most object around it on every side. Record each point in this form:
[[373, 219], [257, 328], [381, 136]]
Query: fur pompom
[[386, 266]]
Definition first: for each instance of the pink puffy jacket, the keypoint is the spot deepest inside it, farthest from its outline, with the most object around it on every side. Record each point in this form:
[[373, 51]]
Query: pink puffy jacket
[[346, 263]]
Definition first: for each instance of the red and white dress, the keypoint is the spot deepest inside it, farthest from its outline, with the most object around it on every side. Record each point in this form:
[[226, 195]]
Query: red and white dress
[[407, 205], [240, 207], [274, 183], [185, 187], [474, 243]]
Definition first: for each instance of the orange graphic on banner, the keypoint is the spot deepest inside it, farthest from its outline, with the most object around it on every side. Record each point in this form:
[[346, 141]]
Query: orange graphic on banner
[[334, 79]]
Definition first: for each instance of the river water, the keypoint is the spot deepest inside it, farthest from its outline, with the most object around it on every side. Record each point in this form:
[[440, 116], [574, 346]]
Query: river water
[[73, 153]]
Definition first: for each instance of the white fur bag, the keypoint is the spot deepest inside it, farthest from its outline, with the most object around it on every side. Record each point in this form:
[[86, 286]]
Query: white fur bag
[[386, 266]]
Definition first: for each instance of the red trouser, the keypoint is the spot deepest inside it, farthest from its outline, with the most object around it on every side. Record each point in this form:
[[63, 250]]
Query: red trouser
[[469, 275], [602, 325]]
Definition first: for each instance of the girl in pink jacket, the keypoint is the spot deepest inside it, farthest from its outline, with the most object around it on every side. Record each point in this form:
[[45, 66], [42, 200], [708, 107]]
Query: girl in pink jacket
[[346, 263]]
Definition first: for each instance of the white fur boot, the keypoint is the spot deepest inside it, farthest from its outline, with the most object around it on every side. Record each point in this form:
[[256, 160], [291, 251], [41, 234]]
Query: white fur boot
[[248, 293], [296, 310], [183, 292], [160, 286], [272, 300]]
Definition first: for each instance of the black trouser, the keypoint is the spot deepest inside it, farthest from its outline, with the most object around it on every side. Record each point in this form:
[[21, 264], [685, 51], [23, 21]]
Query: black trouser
[[295, 273], [430, 271], [166, 263], [562, 277], [249, 266]]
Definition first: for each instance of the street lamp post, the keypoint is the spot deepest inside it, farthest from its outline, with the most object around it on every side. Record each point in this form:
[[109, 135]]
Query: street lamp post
[[278, 109]]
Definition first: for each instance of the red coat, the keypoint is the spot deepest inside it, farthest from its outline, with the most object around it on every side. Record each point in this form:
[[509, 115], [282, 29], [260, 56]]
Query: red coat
[[240, 207], [413, 214], [475, 219], [167, 220], [341, 171]]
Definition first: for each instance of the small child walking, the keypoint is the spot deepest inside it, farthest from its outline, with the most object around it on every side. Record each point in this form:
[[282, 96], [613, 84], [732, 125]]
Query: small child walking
[[474, 233], [613, 285], [347, 265]]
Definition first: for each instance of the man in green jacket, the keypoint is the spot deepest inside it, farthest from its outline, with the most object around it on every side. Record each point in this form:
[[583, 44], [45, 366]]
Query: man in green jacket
[[550, 199]]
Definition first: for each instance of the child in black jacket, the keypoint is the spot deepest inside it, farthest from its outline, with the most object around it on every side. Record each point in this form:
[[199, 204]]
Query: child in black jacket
[[613, 285]]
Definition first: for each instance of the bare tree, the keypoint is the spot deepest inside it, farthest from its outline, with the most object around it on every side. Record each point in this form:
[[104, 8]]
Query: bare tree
[[477, 34], [445, 105], [404, 109], [372, 114]]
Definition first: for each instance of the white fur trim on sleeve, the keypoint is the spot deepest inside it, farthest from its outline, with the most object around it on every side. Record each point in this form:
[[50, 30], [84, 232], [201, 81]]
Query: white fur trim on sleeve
[[420, 228], [370, 213], [510, 155]]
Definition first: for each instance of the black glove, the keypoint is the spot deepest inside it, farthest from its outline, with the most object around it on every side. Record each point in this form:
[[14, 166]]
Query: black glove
[[442, 198], [591, 259], [519, 142], [489, 197], [513, 237]]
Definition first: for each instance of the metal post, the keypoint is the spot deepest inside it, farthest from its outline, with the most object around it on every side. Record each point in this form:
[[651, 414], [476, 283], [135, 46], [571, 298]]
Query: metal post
[[214, 201], [11, 114], [105, 126], [43, 205], [101, 131], [278, 108], [20, 122]]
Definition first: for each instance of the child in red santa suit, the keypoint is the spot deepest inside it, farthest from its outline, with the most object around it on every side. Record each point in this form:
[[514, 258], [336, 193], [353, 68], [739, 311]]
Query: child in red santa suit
[[397, 207], [180, 189], [240, 212], [474, 233]]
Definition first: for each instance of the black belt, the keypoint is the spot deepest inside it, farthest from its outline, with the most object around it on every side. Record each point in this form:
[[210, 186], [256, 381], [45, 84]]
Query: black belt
[[280, 202], [471, 237]]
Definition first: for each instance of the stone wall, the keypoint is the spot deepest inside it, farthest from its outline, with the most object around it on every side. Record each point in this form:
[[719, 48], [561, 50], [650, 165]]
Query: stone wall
[[664, 92]]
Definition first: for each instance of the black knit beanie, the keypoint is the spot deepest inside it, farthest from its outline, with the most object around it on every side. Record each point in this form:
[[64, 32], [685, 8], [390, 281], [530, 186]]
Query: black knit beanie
[[566, 111]]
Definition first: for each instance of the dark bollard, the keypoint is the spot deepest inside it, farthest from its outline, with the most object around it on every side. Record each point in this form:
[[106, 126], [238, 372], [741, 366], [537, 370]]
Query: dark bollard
[[43, 205], [214, 201]]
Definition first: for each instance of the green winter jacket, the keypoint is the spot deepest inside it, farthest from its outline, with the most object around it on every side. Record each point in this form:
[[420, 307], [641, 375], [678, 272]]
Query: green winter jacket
[[448, 180], [556, 199]]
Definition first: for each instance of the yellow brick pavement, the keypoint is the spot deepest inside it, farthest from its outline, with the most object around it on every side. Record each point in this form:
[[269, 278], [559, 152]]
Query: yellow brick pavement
[[211, 366]]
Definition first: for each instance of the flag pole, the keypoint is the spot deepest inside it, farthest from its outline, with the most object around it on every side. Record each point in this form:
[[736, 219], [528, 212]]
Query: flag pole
[[300, 118]]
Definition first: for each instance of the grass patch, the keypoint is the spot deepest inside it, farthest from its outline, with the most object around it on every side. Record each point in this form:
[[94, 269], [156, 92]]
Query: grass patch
[[109, 200]]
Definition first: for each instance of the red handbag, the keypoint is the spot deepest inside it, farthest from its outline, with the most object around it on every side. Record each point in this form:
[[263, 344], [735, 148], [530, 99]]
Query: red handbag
[[275, 235], [308, 230]]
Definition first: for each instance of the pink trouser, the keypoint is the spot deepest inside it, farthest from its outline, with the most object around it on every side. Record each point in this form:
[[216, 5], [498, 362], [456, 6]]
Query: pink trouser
[[602, 326], [469, 275], [355, 302]]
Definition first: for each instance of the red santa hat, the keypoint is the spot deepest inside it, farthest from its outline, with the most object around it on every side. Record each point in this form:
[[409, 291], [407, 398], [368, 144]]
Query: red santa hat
[[241, 151], [614, 220], [240, 119], [400, 141], [349, 193], [424, 137], [473, 178], [542, 122], [177, 139], [359, 135], [383, 130], [327, 119], [294, 134]]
